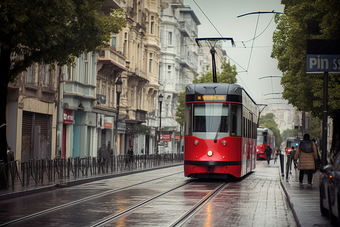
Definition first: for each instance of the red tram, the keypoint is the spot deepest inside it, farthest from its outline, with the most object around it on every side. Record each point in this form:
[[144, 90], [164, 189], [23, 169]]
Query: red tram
[[292, 142], [265, 137], [220, 131]]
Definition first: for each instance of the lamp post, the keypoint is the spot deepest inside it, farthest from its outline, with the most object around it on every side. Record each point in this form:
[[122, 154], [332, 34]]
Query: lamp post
[[160, 100], [118, 91]]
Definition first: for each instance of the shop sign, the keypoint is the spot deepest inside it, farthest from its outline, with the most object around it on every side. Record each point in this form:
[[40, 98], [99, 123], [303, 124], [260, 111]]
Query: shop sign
[[166, 137], [67, 116], [107, 125], [177, 137]]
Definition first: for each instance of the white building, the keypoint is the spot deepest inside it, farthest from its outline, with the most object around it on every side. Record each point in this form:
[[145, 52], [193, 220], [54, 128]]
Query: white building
[[178, 65]]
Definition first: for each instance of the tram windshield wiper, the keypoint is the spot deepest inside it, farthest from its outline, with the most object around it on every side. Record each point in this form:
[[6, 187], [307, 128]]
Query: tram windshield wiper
[[218, 130]]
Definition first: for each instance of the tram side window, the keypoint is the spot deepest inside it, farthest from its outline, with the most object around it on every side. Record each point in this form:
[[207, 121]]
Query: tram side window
[[249, 129], [236, 120], [188, 120]]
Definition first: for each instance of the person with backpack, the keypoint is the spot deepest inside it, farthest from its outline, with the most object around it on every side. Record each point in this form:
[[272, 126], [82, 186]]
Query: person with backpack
[[306, 153]]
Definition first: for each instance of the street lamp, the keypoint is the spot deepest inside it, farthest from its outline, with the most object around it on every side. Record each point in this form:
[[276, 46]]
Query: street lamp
[[160, 100], [118, 91]]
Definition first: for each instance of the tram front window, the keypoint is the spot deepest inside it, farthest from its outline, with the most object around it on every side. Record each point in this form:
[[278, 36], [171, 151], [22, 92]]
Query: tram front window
[[259, 140], [210, 118]]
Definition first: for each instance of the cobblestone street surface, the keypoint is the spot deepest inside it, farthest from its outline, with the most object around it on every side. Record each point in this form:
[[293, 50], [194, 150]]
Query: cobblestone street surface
[[256, 200], [262, 198]]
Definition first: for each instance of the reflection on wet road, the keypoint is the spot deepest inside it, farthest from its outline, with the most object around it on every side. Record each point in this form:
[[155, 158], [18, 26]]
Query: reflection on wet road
[[255, 200]]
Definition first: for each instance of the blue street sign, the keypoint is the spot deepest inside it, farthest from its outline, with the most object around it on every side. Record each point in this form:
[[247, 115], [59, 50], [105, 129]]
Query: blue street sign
[[317, 63]]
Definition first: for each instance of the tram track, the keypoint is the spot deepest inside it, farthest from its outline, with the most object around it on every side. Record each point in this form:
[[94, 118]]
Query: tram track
[[179, 221], [79, 201], [130, 209], [186, 216]]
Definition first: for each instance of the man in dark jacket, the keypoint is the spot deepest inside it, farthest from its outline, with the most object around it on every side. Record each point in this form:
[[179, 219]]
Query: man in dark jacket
[[10, 155], [268, 152], [292, 154]]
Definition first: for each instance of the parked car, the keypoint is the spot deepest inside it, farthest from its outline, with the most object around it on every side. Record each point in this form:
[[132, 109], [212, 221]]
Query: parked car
[[330, 191]]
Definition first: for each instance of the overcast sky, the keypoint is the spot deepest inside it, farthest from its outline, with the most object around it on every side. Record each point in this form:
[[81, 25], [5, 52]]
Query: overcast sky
[[223, 14]]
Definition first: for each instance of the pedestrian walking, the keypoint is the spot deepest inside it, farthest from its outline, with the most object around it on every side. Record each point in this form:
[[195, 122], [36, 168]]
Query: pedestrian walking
[[129, 156], [10, 155], [306, 153], [275, 155], [268, 152], [292, 160]]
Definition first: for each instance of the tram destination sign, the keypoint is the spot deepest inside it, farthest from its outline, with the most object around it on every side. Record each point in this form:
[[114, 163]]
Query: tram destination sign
[[211, 97], [323, 56]]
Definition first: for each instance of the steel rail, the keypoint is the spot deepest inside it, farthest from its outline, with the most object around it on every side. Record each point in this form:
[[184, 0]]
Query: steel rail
[[25, 218], [186, 216], [130, 209]]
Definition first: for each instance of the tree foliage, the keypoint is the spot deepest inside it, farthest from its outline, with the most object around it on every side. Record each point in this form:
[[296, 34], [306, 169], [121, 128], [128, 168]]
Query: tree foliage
[[305, 91], [314, 129], [267, 121], [228, 75], [54, 31], [180, 109]]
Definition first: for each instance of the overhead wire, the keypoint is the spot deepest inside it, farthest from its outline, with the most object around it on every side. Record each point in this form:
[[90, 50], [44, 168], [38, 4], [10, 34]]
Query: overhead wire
[[222, 37]]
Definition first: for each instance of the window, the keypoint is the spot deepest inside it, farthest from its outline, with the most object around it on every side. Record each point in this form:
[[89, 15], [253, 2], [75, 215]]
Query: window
[[150, 65], [86, 70], [169, 72], [151, 28], [46, 75], [30, 75], [170, 38], [113, 40], [210, 120], [235, 120]]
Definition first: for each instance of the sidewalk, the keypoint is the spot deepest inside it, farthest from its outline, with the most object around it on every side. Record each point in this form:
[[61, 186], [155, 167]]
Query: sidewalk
[[304, 200], [65, 182]]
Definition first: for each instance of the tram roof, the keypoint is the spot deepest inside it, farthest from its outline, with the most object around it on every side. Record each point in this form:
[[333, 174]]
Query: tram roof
[[234, 91], [260, 129], [214, 89]]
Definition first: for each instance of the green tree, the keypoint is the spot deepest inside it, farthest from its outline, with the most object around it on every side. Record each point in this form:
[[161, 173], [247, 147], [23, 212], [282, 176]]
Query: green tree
[[49, 32], [180, 109], [314, 128], [228, 75], [267, 121], [288, 133], [305, 91]]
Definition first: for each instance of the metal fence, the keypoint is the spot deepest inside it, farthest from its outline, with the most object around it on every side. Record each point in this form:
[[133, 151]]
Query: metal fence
[[44, 170]]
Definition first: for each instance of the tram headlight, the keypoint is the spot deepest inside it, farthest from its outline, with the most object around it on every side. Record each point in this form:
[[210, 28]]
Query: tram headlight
[[196, 142], [224, 142], [209, 153]]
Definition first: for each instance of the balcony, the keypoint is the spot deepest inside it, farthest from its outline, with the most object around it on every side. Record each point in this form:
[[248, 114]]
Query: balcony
[[136, 117], [185, 60], [184, 28], [113, 57]]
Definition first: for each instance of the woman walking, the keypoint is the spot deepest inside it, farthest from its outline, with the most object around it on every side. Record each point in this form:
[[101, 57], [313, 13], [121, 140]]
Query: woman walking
[[307, 154]]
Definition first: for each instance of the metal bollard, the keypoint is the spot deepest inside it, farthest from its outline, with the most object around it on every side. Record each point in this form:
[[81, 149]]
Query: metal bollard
[[282, 161]]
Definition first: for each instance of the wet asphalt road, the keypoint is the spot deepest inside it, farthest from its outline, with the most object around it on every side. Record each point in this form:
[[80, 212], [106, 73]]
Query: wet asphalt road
[[256, 200]]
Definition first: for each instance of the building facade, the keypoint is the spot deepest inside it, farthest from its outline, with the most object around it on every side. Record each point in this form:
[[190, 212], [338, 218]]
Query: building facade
[[178, 65], [32, 112], [71, 111]]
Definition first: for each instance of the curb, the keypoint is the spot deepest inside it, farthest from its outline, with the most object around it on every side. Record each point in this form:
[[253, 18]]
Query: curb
[[290, 203]]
